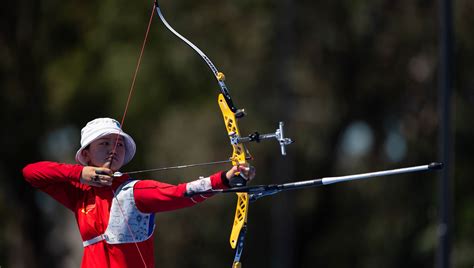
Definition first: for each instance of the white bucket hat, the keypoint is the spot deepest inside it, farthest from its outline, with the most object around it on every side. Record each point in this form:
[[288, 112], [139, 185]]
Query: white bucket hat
[[101, 127]]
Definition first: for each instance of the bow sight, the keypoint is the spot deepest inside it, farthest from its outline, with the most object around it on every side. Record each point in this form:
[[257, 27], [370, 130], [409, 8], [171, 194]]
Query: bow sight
[[278, 135]]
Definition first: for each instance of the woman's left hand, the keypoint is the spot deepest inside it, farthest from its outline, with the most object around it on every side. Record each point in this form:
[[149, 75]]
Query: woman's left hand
[[247, 172]]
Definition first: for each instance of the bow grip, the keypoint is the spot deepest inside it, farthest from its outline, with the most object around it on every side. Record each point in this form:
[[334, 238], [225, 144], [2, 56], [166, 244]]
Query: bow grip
[[237, 181]]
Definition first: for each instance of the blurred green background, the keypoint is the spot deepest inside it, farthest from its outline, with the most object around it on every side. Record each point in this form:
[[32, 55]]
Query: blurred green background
[[354, 81]]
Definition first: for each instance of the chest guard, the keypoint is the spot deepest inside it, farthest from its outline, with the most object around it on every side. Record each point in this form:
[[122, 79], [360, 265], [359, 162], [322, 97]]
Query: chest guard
[[119, 229]]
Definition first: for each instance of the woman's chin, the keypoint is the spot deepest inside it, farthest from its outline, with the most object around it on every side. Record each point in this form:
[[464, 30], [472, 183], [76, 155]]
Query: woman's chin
[[114, 166]]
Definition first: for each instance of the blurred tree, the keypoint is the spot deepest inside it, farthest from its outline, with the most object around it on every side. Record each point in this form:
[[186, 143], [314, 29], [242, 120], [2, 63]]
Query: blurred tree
[[23, 229]]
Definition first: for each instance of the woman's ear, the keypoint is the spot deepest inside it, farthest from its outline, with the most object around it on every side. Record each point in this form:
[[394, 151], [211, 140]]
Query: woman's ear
[[85, 155]]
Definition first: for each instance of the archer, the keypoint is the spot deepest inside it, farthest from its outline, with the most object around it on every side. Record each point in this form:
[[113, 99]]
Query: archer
[[115, 215]]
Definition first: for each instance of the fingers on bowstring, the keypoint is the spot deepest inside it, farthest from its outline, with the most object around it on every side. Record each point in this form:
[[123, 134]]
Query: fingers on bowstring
[[103, 171], [107, 180], [101, 180]]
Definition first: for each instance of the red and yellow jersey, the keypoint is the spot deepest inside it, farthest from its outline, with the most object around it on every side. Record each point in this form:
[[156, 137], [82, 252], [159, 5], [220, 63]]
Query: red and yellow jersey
[[91, 206]]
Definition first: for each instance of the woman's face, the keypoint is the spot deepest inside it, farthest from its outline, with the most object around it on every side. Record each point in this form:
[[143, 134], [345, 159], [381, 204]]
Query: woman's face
[[107, 151]]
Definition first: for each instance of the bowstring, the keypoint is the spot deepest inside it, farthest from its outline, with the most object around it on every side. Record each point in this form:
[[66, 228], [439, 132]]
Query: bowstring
[[130, 93]]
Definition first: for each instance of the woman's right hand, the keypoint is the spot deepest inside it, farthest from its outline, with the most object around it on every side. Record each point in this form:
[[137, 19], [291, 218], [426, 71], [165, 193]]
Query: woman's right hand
[[97, 176]]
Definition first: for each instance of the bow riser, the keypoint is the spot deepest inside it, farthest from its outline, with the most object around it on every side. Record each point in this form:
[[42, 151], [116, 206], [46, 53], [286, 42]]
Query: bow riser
[[239, 155], [240, 218]]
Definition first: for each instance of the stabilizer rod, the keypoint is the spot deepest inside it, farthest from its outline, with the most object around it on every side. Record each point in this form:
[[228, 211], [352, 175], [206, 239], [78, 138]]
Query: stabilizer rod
[[263, 190]]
